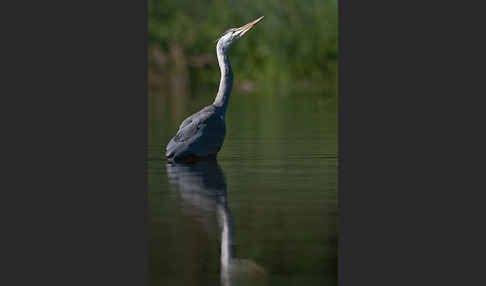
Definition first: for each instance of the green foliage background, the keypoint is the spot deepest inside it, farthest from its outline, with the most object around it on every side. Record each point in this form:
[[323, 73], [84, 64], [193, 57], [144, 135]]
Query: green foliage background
[[296, 44]]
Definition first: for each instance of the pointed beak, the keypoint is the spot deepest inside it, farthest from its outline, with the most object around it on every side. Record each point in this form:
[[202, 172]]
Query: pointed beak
[[243, 29]]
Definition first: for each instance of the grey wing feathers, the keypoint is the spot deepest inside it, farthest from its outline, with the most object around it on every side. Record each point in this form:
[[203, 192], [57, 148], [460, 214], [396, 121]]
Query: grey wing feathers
[[201, 134]]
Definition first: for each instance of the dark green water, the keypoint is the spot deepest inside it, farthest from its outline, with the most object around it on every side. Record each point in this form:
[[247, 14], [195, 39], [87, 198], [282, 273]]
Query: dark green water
[[276, 177]]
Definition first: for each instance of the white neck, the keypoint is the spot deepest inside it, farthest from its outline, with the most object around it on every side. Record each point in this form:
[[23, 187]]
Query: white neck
[[226, 83]]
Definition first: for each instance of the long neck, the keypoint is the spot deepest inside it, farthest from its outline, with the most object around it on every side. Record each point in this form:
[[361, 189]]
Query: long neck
[[226, 83]]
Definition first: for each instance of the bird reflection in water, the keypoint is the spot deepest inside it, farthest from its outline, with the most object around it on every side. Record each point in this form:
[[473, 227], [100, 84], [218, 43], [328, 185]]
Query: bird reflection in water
[[202, 187]]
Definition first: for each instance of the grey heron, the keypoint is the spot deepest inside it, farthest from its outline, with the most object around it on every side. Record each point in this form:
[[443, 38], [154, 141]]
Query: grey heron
[[201, 135]]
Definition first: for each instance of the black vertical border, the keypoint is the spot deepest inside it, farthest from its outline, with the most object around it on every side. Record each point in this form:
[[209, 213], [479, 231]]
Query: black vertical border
[[74, 98], [410, 76]]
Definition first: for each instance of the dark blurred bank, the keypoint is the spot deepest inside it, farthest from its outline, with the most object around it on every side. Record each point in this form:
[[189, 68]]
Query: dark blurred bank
[[295, 46]]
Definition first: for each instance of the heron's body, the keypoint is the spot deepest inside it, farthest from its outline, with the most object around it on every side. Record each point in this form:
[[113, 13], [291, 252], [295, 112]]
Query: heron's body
[[202, 134]]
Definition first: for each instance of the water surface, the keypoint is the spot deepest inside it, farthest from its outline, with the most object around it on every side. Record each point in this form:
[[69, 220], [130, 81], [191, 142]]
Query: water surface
[[275, 182]]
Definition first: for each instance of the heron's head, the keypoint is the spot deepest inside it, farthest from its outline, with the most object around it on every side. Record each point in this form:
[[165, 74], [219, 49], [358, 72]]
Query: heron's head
[[233, 34]]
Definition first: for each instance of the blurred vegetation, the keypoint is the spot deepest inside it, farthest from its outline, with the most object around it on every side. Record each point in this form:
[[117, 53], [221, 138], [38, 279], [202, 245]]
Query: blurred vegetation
[[295, 45]]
